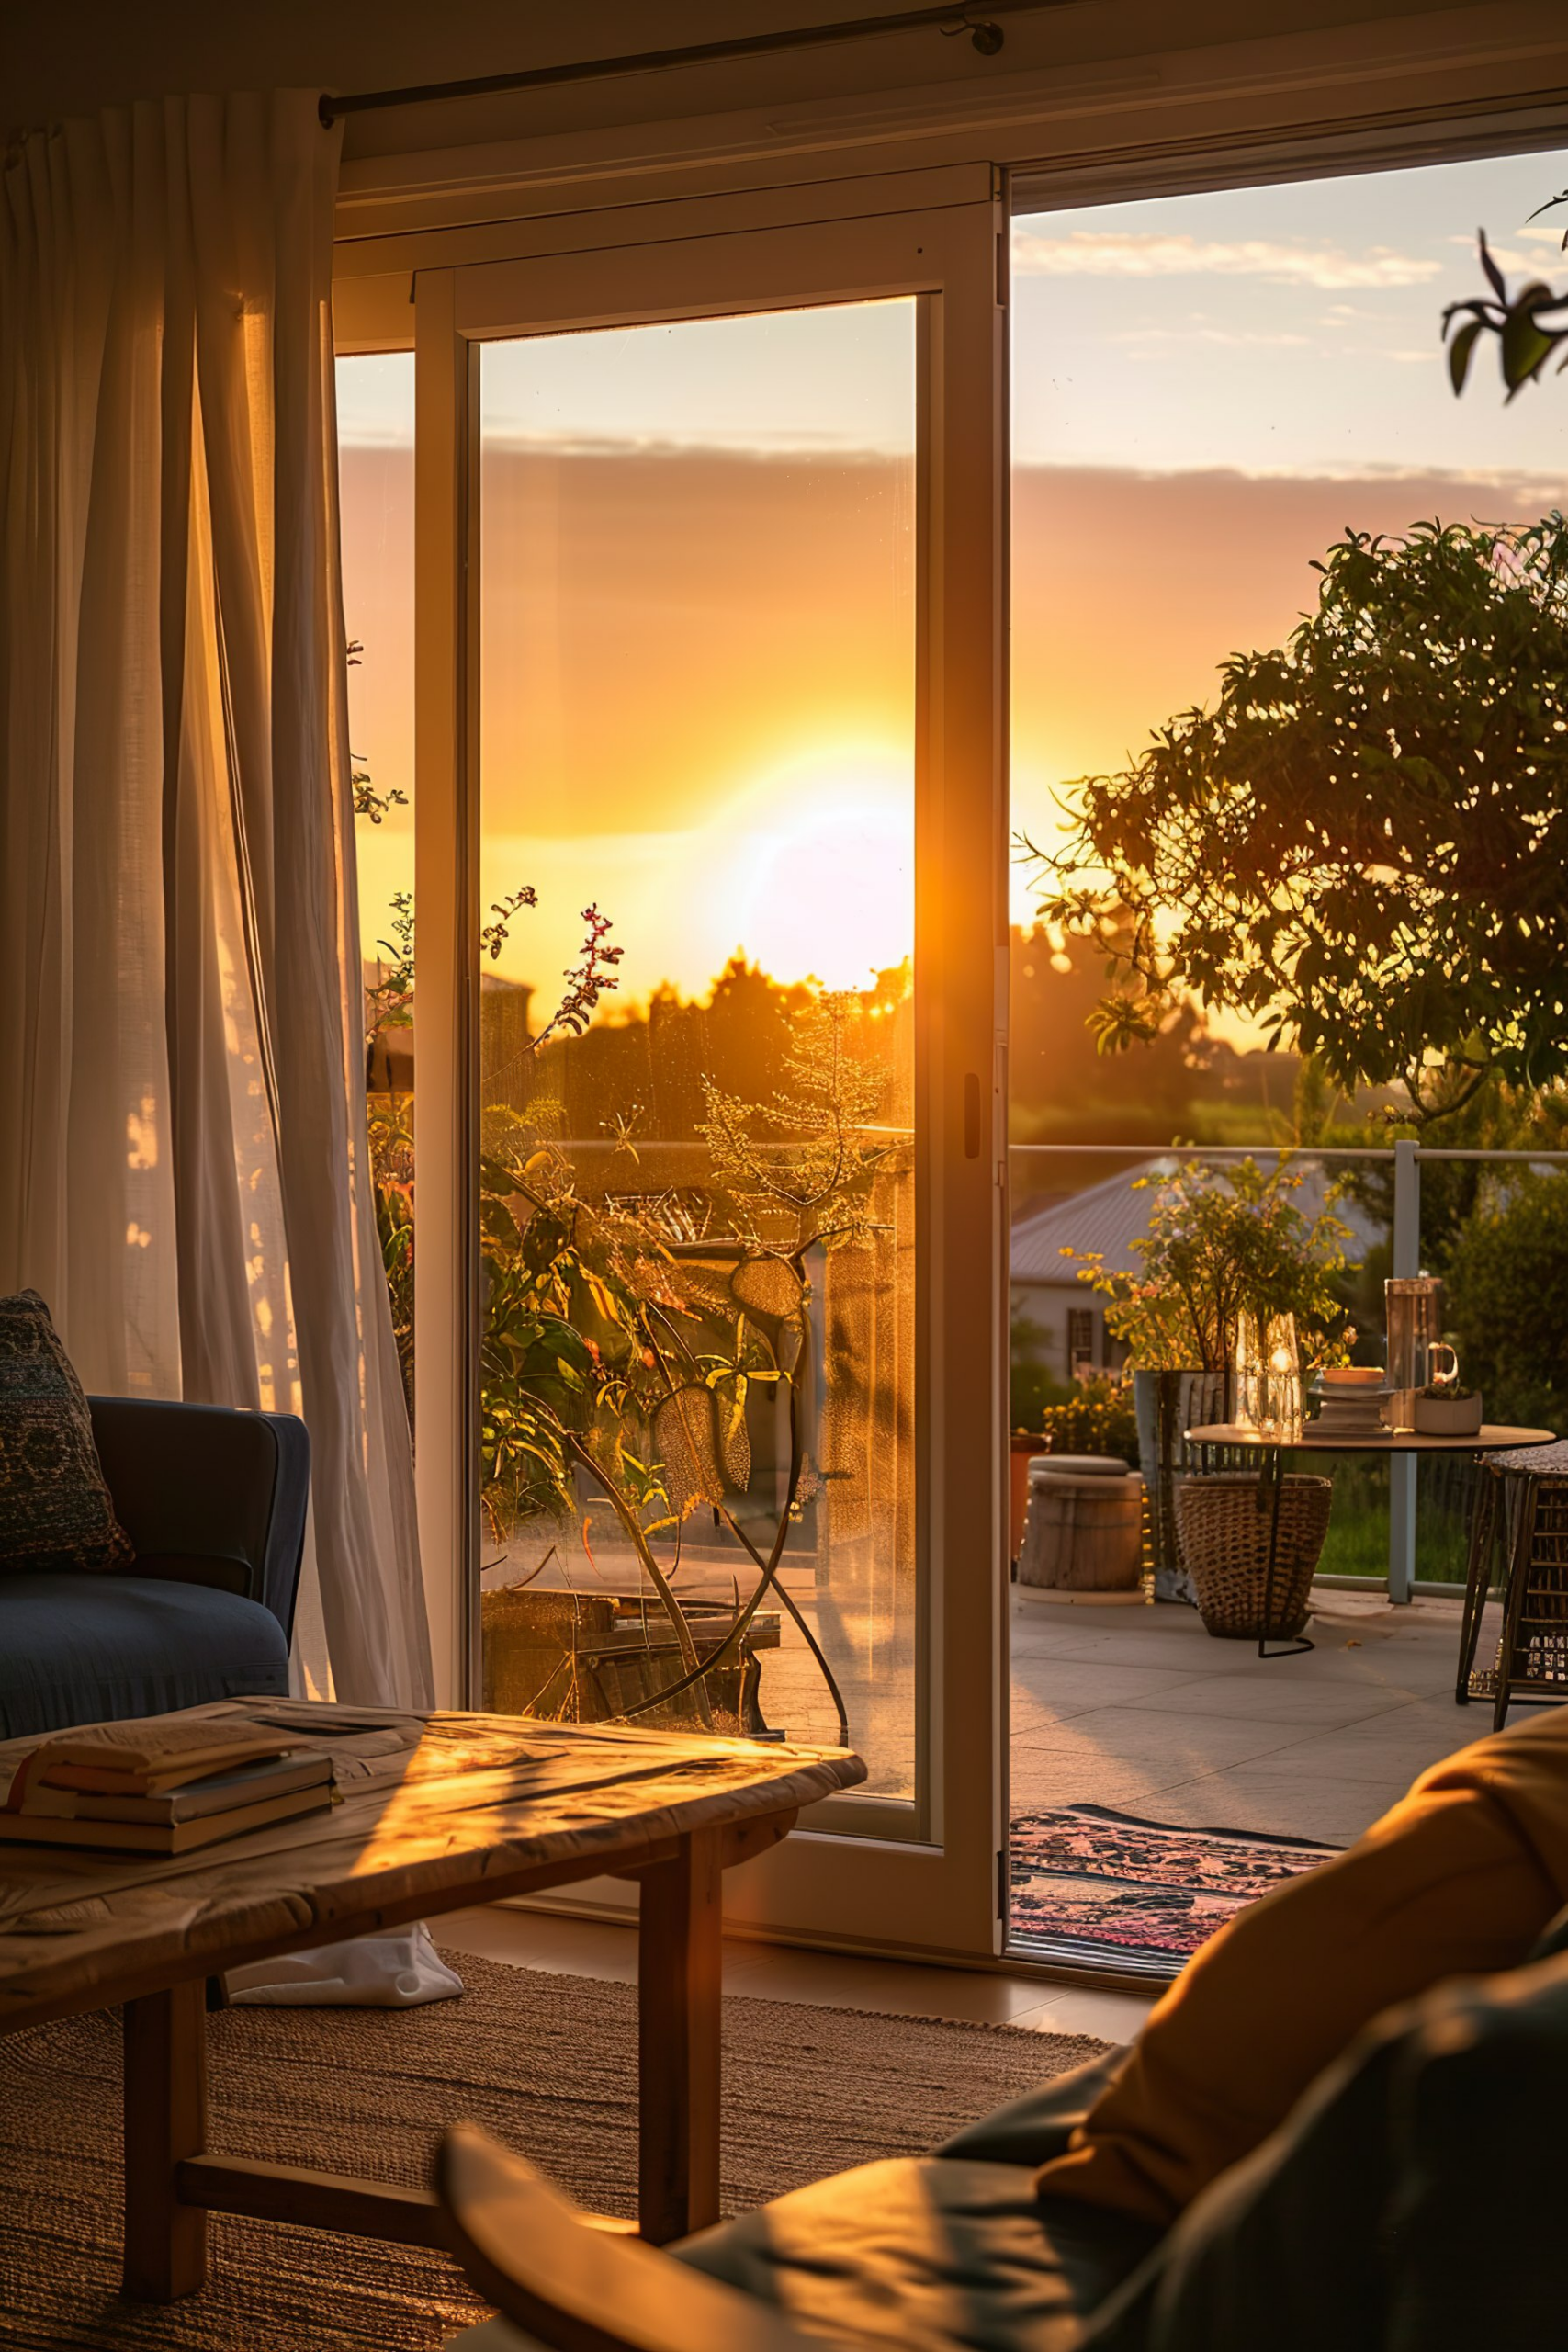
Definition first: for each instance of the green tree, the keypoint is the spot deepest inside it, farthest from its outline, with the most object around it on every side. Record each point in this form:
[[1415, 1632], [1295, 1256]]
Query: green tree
[[1060, 1086], [1361, 843], [1506, 1291]]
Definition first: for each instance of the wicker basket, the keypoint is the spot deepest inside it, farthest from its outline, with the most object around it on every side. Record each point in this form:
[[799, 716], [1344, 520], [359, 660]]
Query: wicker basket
[[1224, 1544]]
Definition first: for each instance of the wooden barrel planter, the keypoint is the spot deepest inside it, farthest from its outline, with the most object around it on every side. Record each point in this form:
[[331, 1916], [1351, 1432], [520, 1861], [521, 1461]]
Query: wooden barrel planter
[[1084, 1529]]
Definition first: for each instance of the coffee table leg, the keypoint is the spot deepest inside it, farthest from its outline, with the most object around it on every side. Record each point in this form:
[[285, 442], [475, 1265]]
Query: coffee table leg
[[679, 1960], [166, 2121]]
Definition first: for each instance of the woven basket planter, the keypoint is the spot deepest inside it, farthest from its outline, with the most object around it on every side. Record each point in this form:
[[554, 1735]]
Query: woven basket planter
[[1224, 1544]]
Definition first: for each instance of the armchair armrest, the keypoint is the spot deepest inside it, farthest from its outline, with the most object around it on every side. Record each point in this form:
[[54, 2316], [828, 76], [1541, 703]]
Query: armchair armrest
[[539, 2260], [209, 1495]]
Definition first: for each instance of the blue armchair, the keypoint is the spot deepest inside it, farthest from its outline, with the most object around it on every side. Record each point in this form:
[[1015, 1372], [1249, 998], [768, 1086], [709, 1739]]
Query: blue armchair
[[215, 1503]]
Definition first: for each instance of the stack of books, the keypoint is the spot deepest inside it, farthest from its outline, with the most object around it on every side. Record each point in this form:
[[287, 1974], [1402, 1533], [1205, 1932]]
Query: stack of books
[[1355, 1415], [163, 1784]]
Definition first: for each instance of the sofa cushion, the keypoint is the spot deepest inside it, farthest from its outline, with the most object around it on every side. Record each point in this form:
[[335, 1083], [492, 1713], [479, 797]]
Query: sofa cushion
[[55, 1510], [1411, 2199], [75, 1649], [1460, 1879], [927, 2254]]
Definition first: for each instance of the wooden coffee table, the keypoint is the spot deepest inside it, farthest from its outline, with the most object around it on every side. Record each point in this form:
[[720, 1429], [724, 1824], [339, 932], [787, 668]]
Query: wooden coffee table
[[438, 1812]]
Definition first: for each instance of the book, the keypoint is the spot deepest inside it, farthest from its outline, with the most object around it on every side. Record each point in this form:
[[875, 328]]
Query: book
[[218, 1793], [155, 1751], [163, 1837]]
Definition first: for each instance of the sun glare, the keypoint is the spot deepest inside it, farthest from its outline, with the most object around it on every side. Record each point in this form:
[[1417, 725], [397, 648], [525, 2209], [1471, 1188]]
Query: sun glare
[[823, 866]]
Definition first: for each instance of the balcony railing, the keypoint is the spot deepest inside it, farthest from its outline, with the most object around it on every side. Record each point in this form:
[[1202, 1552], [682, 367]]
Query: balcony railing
[[1407, 1159]]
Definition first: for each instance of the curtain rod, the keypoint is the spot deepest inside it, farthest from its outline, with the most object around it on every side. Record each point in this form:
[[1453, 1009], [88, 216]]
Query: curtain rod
[[972, 16]]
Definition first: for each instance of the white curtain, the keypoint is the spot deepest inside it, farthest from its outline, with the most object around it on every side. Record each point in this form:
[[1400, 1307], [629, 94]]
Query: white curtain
[[182, 1169]]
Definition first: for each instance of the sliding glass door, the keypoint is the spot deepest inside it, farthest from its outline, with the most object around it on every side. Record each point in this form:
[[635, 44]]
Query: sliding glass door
[[710, 895], [696, 1195]]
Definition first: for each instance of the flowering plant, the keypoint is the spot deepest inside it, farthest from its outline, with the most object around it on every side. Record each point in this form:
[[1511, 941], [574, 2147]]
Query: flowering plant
[[1216, 1248], [1098, 1418]]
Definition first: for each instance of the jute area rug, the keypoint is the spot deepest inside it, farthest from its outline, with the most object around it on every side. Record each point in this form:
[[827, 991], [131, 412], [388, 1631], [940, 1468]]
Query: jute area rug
[[548, 2062]]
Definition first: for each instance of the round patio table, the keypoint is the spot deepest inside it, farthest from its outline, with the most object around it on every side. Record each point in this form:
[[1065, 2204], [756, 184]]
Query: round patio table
[[1491, 1437]]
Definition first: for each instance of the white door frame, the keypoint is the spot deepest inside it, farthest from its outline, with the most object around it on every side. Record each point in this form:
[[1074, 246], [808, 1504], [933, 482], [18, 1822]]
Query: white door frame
[[921, 1876]]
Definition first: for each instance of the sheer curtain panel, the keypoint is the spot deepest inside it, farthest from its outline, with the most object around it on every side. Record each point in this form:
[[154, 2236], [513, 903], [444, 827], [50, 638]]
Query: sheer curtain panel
[[183, 1172]]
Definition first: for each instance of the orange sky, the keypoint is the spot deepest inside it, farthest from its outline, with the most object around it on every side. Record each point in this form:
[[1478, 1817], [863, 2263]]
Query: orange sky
[[697, 685], [696, 537]]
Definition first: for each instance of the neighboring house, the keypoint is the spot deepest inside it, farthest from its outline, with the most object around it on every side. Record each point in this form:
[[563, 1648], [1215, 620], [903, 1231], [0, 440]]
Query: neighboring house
[[1058, 1321]]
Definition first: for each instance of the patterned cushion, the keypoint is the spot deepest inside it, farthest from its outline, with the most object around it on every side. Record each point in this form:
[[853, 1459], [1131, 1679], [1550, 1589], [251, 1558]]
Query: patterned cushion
[[55, 1510]]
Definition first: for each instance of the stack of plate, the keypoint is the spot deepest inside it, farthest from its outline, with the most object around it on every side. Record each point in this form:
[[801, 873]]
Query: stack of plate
[[1353, 1414]]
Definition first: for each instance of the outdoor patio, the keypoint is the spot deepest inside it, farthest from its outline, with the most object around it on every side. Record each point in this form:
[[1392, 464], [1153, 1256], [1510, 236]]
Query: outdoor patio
[[1141, 1709], [1130, 1723]]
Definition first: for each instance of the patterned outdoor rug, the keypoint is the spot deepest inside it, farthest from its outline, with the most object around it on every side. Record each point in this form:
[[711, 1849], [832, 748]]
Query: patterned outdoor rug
[[1109, 1886]]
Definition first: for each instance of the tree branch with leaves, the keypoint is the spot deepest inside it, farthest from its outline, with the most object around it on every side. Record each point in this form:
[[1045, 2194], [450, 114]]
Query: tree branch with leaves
[[1531, 325], [1361, 843]]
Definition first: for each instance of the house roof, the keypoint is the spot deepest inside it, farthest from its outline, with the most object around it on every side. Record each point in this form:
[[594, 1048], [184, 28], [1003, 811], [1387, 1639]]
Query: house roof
[[1112, 1217]]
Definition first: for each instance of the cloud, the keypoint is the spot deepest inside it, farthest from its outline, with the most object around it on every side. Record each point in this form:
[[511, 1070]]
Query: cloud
[[1203, 334], [1506, 256], [1089, 252]]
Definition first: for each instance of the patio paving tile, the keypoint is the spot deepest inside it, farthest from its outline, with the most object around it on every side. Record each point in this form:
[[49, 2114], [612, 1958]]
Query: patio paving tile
[[1272, 1694], [1274, 1804], [1201, 1732], [1065, 1687], [1198, 1742], [1390, 1754], [1041, 1778], [1172, 1651]]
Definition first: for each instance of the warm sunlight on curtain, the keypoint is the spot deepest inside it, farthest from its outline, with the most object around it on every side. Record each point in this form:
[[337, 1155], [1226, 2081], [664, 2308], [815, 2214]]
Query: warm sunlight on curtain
[[181, 1101]]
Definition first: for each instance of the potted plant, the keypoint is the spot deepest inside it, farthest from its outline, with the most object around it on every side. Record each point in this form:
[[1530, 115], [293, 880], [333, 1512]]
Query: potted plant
[[1445, 1409], [1216, 1248]]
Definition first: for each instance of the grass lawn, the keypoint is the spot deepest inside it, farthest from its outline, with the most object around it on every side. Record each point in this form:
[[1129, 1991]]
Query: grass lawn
[[1357, 1545]]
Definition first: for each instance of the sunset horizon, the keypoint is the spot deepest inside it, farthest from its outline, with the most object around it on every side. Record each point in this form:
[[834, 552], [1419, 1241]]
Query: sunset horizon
[[696, 708]]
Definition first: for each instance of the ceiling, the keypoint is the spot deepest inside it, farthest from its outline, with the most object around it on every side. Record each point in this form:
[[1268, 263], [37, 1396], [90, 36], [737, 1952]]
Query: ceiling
[[72, 57]]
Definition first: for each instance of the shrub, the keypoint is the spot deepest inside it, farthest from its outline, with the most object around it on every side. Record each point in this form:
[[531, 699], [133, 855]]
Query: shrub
[[1507, 1302], [1217, 1248], [1098, 1418]]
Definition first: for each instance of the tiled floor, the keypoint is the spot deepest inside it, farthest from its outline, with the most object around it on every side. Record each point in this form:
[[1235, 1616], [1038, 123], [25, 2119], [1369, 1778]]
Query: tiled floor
[[772, 1972], [1141, 1709]]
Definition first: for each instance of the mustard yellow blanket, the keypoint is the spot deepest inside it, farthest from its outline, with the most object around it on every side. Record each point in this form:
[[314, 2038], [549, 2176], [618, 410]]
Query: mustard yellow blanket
[[1459, 1880]]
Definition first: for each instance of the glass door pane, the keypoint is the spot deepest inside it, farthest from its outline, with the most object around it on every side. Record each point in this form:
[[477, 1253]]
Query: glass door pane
[[376, 441], [1228, 383], [696, 760]]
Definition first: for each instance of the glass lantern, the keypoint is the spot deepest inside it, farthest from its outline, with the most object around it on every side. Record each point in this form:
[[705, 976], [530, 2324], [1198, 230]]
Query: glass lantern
[[1269, 1377]]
